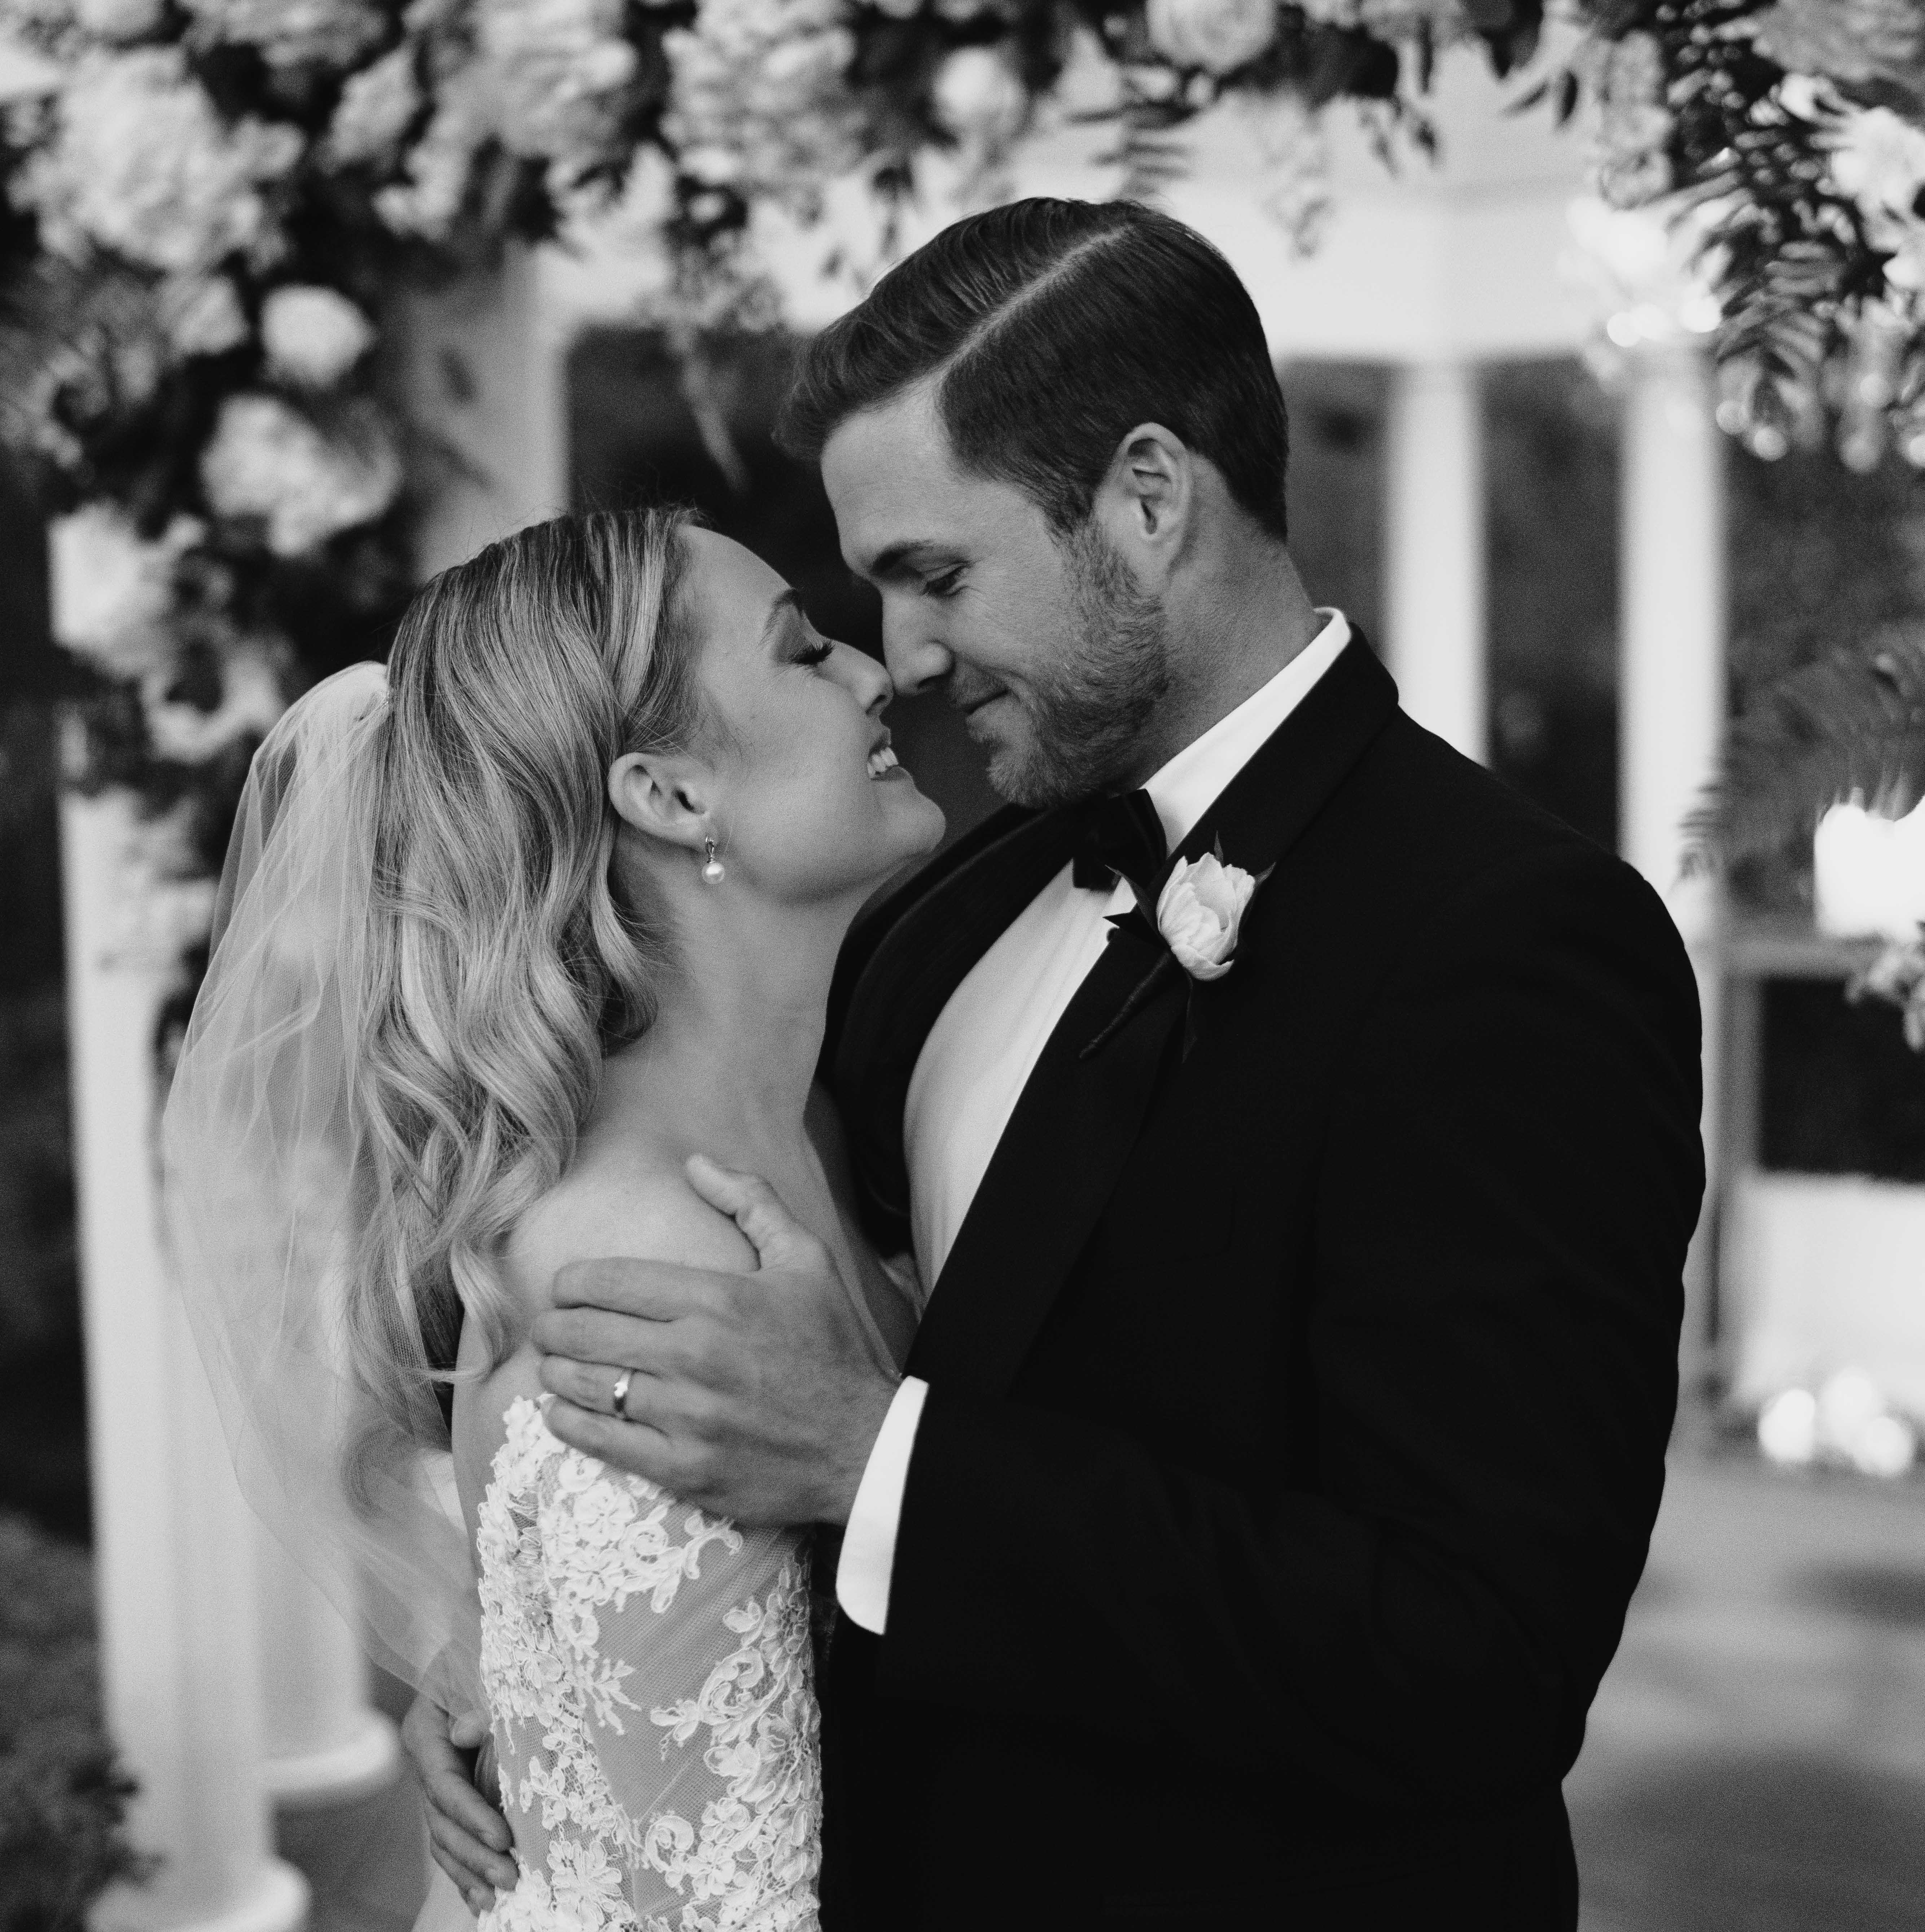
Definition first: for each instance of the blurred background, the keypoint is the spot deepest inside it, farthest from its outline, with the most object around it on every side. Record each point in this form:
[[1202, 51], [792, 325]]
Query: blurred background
[[1508, 467]]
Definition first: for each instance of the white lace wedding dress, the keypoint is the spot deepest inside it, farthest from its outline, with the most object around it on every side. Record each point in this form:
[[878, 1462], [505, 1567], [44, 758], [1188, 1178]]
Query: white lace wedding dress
[[649, 1676]]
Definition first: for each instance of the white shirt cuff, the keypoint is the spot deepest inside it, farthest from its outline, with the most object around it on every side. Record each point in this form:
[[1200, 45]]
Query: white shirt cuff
[[868, 1543]]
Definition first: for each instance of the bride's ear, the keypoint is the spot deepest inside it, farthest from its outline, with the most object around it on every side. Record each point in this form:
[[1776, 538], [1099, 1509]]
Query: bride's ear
[[663, 797]]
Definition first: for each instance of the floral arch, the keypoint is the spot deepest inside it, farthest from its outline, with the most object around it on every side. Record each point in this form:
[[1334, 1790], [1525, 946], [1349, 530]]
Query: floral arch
[[213, 207]]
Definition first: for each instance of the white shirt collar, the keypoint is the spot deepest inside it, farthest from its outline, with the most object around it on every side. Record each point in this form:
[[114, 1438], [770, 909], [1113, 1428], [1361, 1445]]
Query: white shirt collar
[[1189, 785]]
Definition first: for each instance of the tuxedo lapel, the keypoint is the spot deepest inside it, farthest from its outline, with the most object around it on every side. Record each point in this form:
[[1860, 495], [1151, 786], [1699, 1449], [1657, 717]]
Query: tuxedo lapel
[[1050, 1177], [1262, 811], [931, 936], [1085, 1103]]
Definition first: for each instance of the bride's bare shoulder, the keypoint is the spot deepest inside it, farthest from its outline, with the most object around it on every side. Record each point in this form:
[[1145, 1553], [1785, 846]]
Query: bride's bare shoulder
[[643, 1209], [630, 1206]]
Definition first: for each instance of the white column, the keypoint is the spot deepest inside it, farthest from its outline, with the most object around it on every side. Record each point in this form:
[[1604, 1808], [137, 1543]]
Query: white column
[[326, 1744], [1672, 591], [484, 370], [1433, 528], [1672, 695], [173, 1541]]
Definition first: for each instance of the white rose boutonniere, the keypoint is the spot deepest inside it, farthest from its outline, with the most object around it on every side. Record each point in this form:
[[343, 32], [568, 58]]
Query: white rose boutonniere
[[1199, 911]]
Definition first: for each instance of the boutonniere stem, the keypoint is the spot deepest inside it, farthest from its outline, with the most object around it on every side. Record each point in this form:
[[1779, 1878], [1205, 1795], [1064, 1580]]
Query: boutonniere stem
[[1145, 990]]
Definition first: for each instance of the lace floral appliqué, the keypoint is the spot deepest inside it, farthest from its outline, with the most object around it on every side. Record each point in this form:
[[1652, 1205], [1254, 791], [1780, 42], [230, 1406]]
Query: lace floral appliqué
[[563, 1542]]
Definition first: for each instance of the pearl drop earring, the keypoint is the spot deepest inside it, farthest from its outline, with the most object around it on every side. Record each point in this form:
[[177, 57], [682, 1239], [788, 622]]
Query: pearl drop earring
[[713, 873]]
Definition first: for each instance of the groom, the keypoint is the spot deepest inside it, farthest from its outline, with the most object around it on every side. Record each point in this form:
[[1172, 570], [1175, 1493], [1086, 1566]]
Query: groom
[[1246, 1539]]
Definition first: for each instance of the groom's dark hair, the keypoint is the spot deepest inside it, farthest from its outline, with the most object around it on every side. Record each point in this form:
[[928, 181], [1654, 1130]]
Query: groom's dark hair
[[1056, 327]]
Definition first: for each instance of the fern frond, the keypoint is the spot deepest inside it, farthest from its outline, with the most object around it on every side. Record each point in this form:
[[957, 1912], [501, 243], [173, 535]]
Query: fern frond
[[1852, 726], [1152, 156], [63, 327]]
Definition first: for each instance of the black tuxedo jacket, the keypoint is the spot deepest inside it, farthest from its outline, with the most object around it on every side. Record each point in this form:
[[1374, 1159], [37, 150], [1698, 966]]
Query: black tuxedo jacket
[[1300, 1380]]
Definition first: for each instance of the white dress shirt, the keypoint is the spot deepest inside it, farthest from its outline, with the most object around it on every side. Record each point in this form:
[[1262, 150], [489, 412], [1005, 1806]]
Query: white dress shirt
[[981, 1051]]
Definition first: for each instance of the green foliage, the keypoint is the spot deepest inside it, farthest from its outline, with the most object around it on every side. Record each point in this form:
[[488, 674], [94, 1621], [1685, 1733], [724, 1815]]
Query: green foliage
[[1797, 262], [62, 1797], [42, 1416], [1851, 725], [1820, 555], [1828, 575], [39, 1300]]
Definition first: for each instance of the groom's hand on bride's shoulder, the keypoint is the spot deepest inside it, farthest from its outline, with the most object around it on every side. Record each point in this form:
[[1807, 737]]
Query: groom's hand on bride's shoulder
[[753, 1395]]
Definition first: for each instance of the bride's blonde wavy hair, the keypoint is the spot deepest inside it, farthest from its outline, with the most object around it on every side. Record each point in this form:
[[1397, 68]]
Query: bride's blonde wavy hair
[[502, 964]]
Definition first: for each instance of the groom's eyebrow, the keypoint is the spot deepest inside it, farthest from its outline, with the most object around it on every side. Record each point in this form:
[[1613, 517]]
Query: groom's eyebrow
[[890, 562], [785, 601]]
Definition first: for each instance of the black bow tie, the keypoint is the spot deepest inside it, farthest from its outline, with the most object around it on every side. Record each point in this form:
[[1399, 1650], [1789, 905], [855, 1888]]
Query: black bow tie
[[1124, 837]]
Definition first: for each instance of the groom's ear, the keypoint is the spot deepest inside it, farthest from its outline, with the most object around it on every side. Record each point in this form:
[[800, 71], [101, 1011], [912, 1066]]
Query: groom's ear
[[1147, 501], [665, 797]]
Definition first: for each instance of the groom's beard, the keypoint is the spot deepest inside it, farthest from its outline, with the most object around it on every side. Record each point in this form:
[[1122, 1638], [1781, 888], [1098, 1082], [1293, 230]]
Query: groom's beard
[[1087, 711]]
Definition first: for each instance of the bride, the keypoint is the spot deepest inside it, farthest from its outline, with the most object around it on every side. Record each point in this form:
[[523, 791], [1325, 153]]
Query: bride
[[507, 934]]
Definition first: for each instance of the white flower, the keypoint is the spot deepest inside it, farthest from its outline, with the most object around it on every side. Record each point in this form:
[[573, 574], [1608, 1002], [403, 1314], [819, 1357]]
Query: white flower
[[313, 335], [112, 589], [46, 20], [978, 98], [266, 460], [1218, 36], [761, 81], [1848, 39], [144, 166], [1395, 19], [1878, 158], [441, 162], [1879, 161], [292, 33], [26, 74], [376, 106], [120, 20], [202, 314], [561, 67], [1199, 911]]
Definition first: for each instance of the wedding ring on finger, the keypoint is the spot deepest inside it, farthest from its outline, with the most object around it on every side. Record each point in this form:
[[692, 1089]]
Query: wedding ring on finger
[[619, 1398]]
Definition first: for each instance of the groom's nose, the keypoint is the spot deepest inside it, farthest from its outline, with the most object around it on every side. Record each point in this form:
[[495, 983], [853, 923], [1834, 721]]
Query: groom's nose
[[915, 658]]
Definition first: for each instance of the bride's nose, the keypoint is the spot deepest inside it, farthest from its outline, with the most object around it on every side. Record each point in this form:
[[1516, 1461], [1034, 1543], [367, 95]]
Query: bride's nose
[[871, 684]]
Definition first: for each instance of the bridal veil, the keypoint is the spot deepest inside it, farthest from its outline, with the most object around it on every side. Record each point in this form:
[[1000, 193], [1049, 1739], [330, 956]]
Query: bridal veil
[[260, 1152]]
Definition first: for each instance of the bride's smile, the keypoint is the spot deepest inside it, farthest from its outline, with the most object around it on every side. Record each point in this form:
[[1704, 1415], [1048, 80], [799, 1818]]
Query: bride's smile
[[793, 772]]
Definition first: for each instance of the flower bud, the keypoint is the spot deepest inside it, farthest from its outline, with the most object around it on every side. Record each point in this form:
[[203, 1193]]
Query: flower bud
[[1199, 912]]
